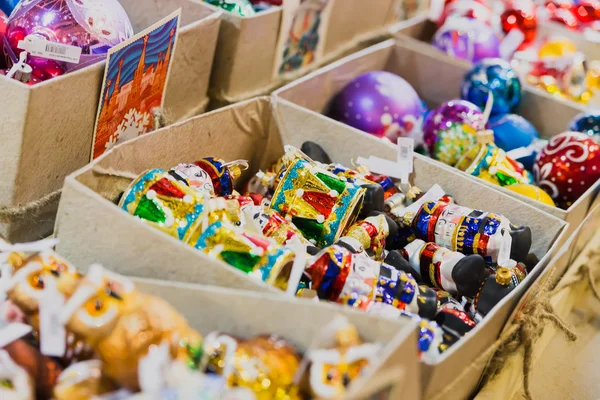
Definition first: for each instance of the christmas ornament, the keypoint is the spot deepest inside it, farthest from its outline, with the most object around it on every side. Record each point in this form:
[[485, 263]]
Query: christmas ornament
[[451, 129], [255, 255], [266, 364], [242, 8], [446, 269], [472, 9], [567, 167], [430, 341], [335, 366], [3, 27], [455, 324], [487, 161], [521, 15], [494, 289], [371, 234], [557, 47], [83, 380], [380, 103], [212, 175], [562, 12], [94, 26], [533, 192], [468, 39], [460, 229], [108, 312], [587, 11], [587, 122], [319, 203], [495, 76], [7, 6], [512, 131]]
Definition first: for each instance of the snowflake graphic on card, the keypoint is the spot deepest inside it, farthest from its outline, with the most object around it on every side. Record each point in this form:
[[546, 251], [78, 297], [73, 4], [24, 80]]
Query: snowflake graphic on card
[[133, 125]]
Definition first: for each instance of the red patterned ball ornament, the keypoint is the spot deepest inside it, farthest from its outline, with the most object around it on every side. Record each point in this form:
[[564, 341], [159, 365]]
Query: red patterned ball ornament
[[474, 9], [587, 11], [567, 167], [521, 15]]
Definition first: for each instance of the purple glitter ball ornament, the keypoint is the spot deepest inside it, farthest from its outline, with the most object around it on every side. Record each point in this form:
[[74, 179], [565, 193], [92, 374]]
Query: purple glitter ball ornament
[[93, 25], [466, 38], [382, 104], [451, 129]]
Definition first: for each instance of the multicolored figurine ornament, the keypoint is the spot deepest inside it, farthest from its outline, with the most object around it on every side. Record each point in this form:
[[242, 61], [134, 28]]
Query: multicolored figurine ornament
[[567, 167], [497, 77], [253, 254], [466, 230], [494, 289], [521, 15], [468, 39], [587, 122], [487, 161], [371, 233], [446, 269], [451, 129], [380, 103], [211, 174], [121, 324], [83, 380], [455, 324], [318, 202], [242, 8], [265, 364], [334, 367], [94, 26], [430, 341]]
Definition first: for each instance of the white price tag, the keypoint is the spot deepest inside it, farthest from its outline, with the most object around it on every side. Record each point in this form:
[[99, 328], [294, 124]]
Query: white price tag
[[433, 194], [381, 166], [504, 253], [297, 267], [591, 35], [52, 331], [520, 152], [511, 43], [12, 332], [40, 47], [405, 157]]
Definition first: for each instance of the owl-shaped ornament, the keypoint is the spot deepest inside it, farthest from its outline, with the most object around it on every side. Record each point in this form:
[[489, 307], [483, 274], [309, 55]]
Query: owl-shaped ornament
[[337, 364], [121, 323], [264, 364]]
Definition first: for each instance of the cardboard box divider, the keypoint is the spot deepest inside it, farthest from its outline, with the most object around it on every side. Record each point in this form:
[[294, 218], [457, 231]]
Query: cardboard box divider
[[246, 50], [93, 229], [47, 129], [245, 314], [436, 78]]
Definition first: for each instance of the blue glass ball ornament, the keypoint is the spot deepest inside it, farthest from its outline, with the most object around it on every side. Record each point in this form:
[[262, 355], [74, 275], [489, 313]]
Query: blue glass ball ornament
[[587, 122], [497, 76], [7, 6], [512, 131]]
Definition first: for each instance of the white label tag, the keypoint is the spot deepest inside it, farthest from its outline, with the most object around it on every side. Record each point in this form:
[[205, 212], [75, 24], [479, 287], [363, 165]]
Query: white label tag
[[519, 152], [12, 332], [405, 157], [591, 35], [433, 194], [511, 43], [436, 9], [54, 51], [52, 330], [504, 253], [120, 394], [297, 267]]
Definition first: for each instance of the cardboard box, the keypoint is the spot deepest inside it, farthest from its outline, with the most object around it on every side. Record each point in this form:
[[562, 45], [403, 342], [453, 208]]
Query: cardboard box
[[91, 228], [247, 46], [246, 314], [436, 78], [47, 129]]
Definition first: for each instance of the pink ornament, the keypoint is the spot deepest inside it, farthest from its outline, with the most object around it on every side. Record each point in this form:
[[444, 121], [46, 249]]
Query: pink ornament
[[93, 25], [567, 167], [3, 24]]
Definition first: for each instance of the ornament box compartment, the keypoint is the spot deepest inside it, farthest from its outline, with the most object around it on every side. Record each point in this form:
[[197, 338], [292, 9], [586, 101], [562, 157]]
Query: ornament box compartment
[[245, 314], [46, 130], [422, 29], [436, 78], [246, 51], [91, 228]]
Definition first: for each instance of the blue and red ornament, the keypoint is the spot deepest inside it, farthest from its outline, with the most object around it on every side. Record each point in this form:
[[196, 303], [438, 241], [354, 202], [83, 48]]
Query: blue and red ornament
[[512, 131], [380, 103], [587, 122]]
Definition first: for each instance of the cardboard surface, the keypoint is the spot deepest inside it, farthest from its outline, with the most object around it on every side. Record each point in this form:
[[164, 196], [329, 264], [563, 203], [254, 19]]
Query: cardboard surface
[[93, 229], [436, 78], [47, 129], [246, 314], [245, 56]]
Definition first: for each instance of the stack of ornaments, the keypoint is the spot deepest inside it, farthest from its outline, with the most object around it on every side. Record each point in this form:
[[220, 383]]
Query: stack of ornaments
[[479, 133]]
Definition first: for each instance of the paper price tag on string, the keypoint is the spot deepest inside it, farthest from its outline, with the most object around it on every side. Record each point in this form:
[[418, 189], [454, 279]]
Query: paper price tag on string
[[297, 267], [511, 43], [405, 157], [504, 253], [434, 194], [401, 169], [37, 46], [12, 332], [52, 331]]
